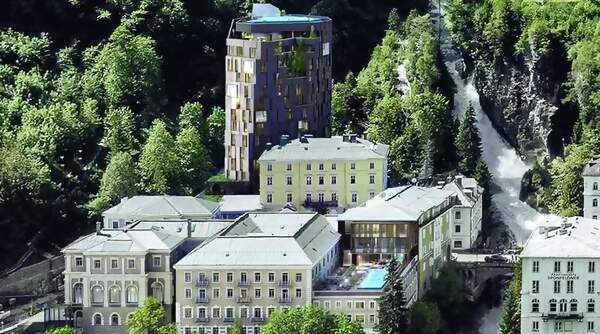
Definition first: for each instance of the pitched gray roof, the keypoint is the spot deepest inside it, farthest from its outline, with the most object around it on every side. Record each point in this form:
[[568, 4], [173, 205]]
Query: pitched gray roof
[[162, 207], [405, 203], [592, 168], [267, 239], [326, 148], [240, 203], [134, 240]]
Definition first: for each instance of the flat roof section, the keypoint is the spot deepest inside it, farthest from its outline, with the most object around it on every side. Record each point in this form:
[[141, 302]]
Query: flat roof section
[[286, 19]]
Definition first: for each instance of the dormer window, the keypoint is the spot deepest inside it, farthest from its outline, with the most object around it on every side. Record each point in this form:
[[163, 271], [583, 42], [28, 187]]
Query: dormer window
[[115, 224]]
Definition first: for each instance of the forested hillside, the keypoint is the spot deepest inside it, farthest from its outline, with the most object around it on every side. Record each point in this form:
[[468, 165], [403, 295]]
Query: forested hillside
[[105, 99], [537, 69]]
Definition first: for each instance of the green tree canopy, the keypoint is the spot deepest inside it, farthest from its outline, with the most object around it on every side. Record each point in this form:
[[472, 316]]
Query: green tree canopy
[[393, 313], [468, 142], [158, 165], [387, 121], [308, 320], [216, 135], [193, 159], [119, 180], [190, 115], [347, 113], [510, 321], [61, 330], [425, 318], [150, 319], [119, 129]]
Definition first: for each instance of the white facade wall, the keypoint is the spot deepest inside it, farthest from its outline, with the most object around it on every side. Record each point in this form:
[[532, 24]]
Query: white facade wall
[[466, 224], [591, 197], [573, 316]]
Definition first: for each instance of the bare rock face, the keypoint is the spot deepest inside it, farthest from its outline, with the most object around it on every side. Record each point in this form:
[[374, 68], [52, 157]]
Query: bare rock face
[[523, 98]]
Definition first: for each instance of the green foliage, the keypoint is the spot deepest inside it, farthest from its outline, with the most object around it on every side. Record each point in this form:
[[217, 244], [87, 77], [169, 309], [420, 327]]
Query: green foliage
[[393, 313], [295, 60], [304, 320], [420, 53], [216, 133], [20, 49], [21, 174], [510, 321], [158, 165], [386, 122], [190, 116], [448, 294], [150, 319], [237, 327], [394, 22], [118, 180], [347, 113], [468, 143], [347, 326], [193, 160], [425, 318], [119, 127], [61, 330]]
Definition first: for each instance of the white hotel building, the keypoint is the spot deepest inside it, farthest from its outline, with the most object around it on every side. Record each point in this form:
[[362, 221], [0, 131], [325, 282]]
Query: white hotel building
[[561, 278]]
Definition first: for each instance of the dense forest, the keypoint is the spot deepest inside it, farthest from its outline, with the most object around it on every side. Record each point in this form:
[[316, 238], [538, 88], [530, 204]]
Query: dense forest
[[557, 45], [105, 99]]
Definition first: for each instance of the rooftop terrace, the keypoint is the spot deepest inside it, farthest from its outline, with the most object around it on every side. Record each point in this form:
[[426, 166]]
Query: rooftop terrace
[[364, 279]]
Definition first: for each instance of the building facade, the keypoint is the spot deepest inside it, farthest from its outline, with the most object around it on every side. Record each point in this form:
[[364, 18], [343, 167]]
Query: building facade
[[322, 173], [591, 188], [467, 214], [261, 263], [278, 81], [560, 279]]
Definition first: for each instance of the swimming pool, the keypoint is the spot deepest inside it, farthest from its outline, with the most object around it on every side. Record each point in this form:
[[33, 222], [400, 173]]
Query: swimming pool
[[374, 280]]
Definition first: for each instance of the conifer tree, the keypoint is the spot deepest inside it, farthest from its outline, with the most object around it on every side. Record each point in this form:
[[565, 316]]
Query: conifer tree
[[394, 22], [427, 163], [510, 322], [468, 143], [393, 313]]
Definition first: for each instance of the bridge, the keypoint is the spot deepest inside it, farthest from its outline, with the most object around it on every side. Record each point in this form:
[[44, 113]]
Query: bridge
[[476, 271]]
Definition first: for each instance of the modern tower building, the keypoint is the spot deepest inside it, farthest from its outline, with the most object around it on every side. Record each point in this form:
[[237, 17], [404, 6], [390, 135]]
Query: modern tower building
[[278, 82]]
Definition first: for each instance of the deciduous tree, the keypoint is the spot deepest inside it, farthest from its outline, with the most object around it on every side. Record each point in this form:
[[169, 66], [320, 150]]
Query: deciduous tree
[[158, 165]]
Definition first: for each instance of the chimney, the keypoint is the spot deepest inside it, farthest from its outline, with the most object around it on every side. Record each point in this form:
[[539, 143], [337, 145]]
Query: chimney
[[458, 179], [304, 140], [268, 146], [98, 227], [283, 140], [345, 138], [353, 138], [189, 228]]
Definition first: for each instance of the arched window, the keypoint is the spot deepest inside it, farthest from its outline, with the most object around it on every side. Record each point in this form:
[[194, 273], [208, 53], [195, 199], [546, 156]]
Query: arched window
[[573, 307], [591, 305], [157, 291], [563, 306], [553, 305], [97, 319], [114, 319], [114, 295], [535, 306], [595, 202], [78, 293], [132, 294], [97, 294], [595, 186]]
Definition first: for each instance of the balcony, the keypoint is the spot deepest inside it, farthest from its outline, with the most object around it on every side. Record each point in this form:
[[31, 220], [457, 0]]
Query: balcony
[[202, 320], [285, 300], [243, 300], [284, 283], [316, 205], [228, 320], [202, 282], [201, 300], [562, 316], [244, 283], [257, 320]]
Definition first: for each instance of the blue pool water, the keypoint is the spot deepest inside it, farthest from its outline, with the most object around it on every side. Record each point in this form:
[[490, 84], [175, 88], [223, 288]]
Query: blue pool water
[[284, 18], [374, 280]]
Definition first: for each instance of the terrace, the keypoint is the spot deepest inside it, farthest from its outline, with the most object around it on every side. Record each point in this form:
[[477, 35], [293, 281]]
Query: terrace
[[366, 279]]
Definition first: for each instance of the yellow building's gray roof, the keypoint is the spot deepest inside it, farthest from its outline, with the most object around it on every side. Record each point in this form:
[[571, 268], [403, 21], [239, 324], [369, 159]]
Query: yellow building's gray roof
[[162, 207], [334, 148]]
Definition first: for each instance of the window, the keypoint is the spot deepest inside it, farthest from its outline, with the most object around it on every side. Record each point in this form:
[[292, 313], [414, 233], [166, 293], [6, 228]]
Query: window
[[591, 266], [188, 293], [288, 197], [257, 277], [553, 305], [535, 286], [229, 313], [269, 198], [569, 286], [156, 261], [97, 319], [269, 180], [457, 244], [187, 277], [353, 165], [271, 277], [78, 293], [229, 293], [97, 295], [289, 167], [556, 286], [352, 179], [333, 179], [371, 165], [590, 326], [114, 319], [569, 266], [354, 198], [595, 186], [595, 217], [321, 166], [334, 197], [563, 306], [321, 180], [270, 311], [284, 278], [157, 291], [591, 305], [321, 197], [372, 305], [308, 167], [457, 228], [595, 202], [131, 264], [115, 224], [371, 179], [457, 215], [535, 306], [573, 305], [271, 293], [591, 286], [371, 318], [257, 312], [288, 180], [269, 168], [308, 180], [131, 294], [333, 166], [298, 293], [97, 264], [298, 277], [371, 195], [216, 277], [187, 312], [257, 293], [536, 266], [79, 261], [558, 326], [359, 305], [556, 266], [114, 295], [308, 197]]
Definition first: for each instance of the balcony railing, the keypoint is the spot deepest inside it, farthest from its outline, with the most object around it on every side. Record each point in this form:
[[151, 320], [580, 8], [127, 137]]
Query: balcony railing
[[257, 320], [243, 300], [285, 300], [316, 204], [201, 300], [201, 282], [244, 283], [562, 316], [284, 283], [202, 319], [228, 319]]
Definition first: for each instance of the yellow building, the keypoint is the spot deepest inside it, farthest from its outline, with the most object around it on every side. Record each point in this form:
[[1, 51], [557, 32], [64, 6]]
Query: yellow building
[[322, 173]]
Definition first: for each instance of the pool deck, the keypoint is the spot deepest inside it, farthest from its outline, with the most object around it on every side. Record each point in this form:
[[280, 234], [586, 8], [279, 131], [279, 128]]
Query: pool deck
[[363, 280]]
